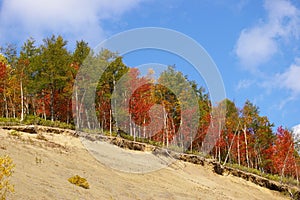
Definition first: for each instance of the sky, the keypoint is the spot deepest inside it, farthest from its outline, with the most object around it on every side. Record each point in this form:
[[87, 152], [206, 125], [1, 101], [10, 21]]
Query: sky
[[254, 43]]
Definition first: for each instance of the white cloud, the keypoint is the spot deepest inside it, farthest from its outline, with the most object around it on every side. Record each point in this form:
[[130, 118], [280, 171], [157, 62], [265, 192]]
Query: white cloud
[[244, 84], [256, 45], [290, 79], [77, 19]]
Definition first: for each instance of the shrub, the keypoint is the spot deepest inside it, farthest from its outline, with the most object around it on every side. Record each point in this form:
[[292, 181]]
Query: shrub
[[30, 119], [126, 136], [15, 133], [9, 121], [79, 181], [6, 170]]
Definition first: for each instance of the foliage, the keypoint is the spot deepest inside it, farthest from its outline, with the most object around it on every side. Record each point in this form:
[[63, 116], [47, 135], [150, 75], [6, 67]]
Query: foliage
[[9, 121], [31, 119], [274, 177], [79, 181], [6, 171], [36, 87]]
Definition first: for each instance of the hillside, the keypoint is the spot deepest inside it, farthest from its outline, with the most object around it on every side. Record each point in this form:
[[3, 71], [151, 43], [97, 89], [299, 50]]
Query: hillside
[[44, 162]]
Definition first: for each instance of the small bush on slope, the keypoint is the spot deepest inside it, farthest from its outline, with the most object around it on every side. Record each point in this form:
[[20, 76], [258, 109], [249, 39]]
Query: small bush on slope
[[6, 170], [79, 181]]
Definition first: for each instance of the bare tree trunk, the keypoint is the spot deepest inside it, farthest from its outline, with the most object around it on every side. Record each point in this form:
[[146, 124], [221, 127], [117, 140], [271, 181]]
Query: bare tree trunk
[[246, 144], [238, 149], [297, 175], [103, 123], [134, 133], [130, 125], [87, 119], [68, 112], [228, 153], [229, 149], [52, 104], [79, 109], [191, 145], [284, 163], [5, 103], [12, 107], [44, 106], [26, 104], [22, 100], [219, 148], [144, 128], [33, 106], [165, 132], [77, 122], [110, 124]]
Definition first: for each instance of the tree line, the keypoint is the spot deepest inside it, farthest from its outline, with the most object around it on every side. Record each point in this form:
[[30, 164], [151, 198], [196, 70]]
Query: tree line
[[173, 110]]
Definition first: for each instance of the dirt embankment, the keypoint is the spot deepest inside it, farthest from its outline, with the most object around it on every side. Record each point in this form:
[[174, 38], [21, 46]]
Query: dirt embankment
[[45, 161]]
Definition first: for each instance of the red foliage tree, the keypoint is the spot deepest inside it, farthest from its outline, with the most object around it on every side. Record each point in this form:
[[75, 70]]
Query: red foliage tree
[[283, 159]]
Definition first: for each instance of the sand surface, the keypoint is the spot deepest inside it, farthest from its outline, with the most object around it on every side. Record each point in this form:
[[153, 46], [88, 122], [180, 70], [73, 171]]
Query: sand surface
[[44, 165]]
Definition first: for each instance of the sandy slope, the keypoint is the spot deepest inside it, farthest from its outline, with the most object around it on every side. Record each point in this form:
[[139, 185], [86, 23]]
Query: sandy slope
[[43, 167]]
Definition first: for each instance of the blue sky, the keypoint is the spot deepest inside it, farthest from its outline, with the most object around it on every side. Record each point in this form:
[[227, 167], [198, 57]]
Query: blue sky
[[255, 44]]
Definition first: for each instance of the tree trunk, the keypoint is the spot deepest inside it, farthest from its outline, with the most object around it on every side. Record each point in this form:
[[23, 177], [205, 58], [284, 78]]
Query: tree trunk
[[52, 104], [134, 132], [165, 131], [130, 125], [219, 147], [110, 124], [144, 128], [22, 101], [246, 144], [44, 106], [238, 149], [87, 119], [297, 175], [284, 163], [5, 103], [229, 149]]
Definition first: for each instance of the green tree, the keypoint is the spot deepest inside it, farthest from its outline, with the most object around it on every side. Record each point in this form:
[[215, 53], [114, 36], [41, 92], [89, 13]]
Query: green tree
[[107, 85], [25, 65], [53, 66]]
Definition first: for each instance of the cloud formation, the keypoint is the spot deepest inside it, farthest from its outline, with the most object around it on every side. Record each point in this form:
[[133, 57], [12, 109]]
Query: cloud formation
[[256, 45], [290, 79], [244, 84], [75, 19]]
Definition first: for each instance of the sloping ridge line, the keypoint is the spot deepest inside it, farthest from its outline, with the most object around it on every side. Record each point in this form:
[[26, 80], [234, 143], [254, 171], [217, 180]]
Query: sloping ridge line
[[191, 158]]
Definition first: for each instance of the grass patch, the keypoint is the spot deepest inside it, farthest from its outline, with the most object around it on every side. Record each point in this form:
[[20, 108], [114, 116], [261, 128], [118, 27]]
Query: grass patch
[[34, 120], [9, 121], [273, 177]]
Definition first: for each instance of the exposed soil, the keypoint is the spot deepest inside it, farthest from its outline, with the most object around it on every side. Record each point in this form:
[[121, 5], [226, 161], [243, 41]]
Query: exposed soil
[[45, 161]]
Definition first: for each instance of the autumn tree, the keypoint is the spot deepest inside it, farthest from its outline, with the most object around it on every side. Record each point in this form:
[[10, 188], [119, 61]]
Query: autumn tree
[[283, 157]]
